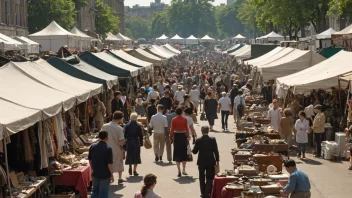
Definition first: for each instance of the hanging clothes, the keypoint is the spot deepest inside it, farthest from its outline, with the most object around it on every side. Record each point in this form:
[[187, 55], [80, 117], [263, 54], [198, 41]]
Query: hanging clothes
[[33, 139], [58, 126], [43, 145], [48, 138], [28, 155]]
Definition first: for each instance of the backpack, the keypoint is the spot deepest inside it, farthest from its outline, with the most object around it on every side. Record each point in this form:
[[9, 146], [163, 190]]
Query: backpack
[[240, 108]]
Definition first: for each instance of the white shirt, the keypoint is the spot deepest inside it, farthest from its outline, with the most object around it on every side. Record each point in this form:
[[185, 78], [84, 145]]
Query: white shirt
[[275, 117], [225, 102], [174, 87], [302, 128], [179, 95], [309, 111], [139, 101], [158, 122], [189, 122], [152, 94], [238, 100], [194, 93]]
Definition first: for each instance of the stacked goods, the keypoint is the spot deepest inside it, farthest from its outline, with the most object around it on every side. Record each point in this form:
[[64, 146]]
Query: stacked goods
[[329, 148], [340, 139]]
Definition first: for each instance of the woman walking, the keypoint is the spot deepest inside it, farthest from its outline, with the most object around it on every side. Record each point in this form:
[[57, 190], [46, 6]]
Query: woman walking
[[148, 187], [179, 135], [210, 108], [302, 130], [286, 127], [134, 137]]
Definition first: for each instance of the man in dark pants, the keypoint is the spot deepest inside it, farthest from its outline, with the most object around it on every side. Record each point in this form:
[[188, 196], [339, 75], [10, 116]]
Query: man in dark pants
[[208, 158], [116, 103]]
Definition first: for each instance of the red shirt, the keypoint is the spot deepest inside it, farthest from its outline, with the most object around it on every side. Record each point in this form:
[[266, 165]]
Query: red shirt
[[179, 124]]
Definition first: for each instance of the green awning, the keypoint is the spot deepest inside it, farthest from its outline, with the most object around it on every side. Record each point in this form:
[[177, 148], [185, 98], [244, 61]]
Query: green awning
[[329, 52]]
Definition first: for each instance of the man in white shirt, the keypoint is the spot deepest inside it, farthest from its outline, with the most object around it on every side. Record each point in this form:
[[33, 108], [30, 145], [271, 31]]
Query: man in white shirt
[[180, 93], [159, 123], [174, 87], [239, 100], [224, 107], [195, 97], [154, 93], [274, 115]]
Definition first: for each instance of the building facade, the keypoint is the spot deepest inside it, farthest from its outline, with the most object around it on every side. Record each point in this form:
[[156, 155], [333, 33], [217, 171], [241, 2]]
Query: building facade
[[86, 17], [145, 11], [13, 17], [119, 7]]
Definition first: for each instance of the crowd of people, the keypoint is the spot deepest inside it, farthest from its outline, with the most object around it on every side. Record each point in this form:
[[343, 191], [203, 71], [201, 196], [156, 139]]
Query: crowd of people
[[202, 86]]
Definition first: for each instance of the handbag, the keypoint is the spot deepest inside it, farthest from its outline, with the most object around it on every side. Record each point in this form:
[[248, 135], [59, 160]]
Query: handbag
[[189, 154], [147, 142], [203, 117]]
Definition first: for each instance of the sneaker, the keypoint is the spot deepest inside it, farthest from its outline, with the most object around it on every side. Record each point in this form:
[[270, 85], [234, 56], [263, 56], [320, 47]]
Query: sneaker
[[156, 158], [120, 181], [184, 173], [135, 173]]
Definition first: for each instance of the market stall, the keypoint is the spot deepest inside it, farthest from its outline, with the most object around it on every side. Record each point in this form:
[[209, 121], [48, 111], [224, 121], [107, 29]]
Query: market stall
[[177, 39], [207, 39], [84, 41], [148, 57], [32, 47], [125, 57], [169, 47], [162, 39], [271, 37], [192, 40], [10, 44]]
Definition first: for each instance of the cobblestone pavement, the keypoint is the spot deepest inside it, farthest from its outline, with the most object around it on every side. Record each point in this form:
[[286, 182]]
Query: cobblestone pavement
[[328, 179]]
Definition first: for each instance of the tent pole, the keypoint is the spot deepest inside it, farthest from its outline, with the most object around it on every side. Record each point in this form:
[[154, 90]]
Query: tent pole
[[340, 94], [7, 167]]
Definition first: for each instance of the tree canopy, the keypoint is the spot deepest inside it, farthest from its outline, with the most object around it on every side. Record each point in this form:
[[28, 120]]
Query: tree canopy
[[42, 12], [106, 20], [139, 27]]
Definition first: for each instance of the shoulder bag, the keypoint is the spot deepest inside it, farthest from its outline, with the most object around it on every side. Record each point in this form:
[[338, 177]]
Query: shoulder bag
[[189, 153], [147, 142]]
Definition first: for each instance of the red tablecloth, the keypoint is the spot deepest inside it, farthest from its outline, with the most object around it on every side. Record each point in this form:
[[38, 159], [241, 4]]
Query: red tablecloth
[[230, 193], [80, 179], [218, 184]]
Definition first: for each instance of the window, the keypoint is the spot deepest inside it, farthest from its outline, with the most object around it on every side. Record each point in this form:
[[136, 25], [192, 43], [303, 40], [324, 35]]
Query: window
[[7, 12], [17, 14]]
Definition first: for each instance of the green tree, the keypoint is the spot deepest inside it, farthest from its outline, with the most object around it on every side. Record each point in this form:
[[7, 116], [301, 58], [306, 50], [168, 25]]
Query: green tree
[[80, 3], [43, 12], [192, 17], [128, 33], [339, 7], [106, 20], [228, 22], [159, 24], [140, 27]]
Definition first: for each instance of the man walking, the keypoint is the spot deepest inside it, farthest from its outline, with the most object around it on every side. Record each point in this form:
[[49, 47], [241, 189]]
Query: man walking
[[159, 123], [318, 128], [100, 160], [195, 97], [298, 185], [169, 116], [224, 107], [116, 141], [208, 157]]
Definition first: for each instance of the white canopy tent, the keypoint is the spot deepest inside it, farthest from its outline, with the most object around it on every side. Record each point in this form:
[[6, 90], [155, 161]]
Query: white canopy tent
[[53, 37], [191, 40], [169, 47], [85, 40], [240, 50], [265, 56], [161, 53], [239, 37], [32, 47], [231, 48], [347, 32], [207, 38], [326, 34], [320, 76], [271, 37], [177, 39], [274, 57], [124, 39], [166, 51], [133, 60], [162, 38], [8, 43], [24, 90], [293, 62], [244, 54], [143, 55], [110, 37]]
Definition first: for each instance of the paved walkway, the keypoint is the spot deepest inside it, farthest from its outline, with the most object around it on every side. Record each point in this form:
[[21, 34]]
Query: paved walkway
[[328, 179]]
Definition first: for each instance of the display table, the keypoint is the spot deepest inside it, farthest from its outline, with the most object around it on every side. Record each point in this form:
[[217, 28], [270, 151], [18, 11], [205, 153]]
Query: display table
[[230, 193], [219, 183], [80, 179], [267, 148], [35, 189], [265, 161]]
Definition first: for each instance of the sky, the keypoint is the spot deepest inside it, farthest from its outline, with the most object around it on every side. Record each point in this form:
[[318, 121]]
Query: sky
[[147, 2]]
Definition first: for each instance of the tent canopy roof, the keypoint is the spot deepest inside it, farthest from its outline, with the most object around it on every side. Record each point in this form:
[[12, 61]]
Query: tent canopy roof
[[78, 32], [274, 57], [172, 48], [131, 60], [162, 37], [326, 34], [347, 30], [111, 37], [122, 37], [272, 35], [206, 37], [148, 55], [264, 56], [192, 38], [239, 36], [53, 29], [27, 40], [177, 37], [320, 76]]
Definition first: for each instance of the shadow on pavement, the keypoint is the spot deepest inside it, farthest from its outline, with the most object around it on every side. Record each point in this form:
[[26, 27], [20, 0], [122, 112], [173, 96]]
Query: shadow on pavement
[[134, 179], [185, 180], [311, 161], [114, 188], [164, 164], [222, 131]]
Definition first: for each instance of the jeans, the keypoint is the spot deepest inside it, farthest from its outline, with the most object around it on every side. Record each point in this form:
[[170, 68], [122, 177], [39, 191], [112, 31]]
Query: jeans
[[206, 177], [224, 118], [301, 148], [100, 188], [317, 139]]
